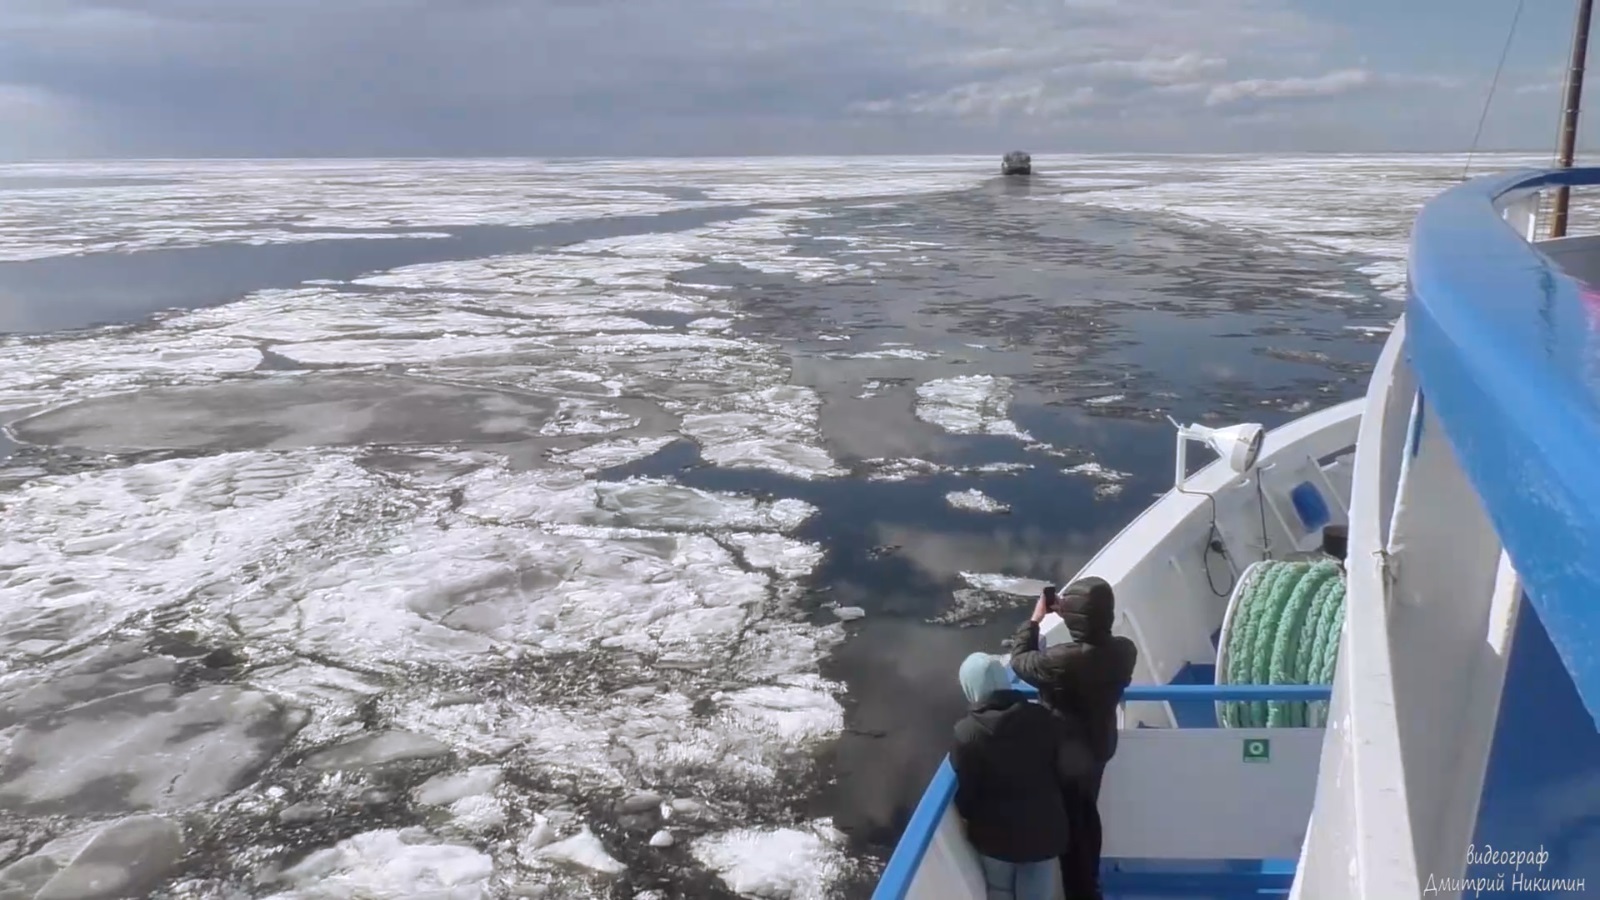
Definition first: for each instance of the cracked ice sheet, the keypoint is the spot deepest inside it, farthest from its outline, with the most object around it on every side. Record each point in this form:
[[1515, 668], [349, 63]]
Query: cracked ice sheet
[[644, 734], [969, 404], [463, 603], [89, 550], [86, 551], [406, 592]]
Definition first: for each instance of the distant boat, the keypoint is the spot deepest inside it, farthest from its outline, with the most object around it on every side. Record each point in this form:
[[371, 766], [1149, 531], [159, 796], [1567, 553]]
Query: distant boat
[[1016, 163]]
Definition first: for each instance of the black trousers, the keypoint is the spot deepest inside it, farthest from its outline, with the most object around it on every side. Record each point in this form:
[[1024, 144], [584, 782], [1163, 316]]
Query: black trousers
[[1080, 865]]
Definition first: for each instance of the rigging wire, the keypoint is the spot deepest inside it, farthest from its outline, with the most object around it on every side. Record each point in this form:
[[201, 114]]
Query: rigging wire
[[1483, 116]]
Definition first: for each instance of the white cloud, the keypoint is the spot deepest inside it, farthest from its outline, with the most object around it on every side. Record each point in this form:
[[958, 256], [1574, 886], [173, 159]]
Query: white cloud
[[1022, 98], [1179, 69], [1330, 84]]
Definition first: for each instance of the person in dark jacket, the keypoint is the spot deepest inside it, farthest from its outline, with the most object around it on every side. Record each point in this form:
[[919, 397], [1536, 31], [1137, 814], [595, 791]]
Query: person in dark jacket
[[1081, 681], [1012, 758]]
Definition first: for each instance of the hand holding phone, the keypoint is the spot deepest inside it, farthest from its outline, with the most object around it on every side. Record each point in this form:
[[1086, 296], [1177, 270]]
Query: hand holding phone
[[1047, 599]]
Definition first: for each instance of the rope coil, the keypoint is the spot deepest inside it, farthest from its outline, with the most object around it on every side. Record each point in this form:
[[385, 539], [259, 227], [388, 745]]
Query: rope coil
[[1282, 627]]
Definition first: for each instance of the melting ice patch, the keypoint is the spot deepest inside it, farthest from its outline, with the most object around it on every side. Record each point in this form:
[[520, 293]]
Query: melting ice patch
[[968, 404]]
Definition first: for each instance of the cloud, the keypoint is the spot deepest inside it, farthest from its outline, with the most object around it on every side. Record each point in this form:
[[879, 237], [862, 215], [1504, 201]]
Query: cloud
[[1331, 84], [1180, 69], [521, 77]]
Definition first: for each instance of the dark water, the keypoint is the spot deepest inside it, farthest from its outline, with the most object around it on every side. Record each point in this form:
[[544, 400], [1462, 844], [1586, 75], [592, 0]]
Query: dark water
[[1073, 304], [65, 292]]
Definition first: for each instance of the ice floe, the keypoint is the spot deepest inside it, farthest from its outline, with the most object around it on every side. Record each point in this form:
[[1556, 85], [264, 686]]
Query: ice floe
[[128, 858], [969, 404], [1004, 584], [971, 606], [390, 864], [778, 863], [1109, 482], [974, 500], [583, 850], [598, 457]]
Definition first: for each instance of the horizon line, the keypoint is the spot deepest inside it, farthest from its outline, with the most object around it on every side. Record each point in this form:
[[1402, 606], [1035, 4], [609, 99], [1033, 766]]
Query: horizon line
[[760, 155]]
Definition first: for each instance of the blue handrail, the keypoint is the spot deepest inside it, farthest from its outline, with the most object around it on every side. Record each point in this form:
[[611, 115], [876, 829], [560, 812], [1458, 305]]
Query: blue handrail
[[918, 836], [1506, 349], [1151, 693]]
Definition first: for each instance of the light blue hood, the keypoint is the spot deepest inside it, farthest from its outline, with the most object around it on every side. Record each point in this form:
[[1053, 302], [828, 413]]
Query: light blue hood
[[983, 674]]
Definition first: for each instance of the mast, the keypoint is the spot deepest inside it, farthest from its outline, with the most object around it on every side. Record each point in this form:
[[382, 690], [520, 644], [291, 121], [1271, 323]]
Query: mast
[[1569, 116]]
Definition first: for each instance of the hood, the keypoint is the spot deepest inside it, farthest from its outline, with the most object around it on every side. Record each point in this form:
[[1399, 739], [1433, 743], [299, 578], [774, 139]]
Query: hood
[[1088, 607], [990, 715], [983, 675]]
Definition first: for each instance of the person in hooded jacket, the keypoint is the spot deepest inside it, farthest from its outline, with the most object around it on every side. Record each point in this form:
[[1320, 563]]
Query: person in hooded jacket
[[1082, 682], [1012, 759]]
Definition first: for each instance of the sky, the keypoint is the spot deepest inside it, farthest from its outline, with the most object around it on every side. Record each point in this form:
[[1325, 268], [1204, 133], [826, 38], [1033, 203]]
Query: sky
[[252, 78]]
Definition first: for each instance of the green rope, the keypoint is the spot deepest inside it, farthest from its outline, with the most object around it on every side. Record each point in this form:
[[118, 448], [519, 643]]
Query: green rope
[[1284, 629]]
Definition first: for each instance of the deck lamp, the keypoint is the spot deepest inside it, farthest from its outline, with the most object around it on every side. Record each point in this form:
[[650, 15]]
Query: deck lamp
[[1239, 444]]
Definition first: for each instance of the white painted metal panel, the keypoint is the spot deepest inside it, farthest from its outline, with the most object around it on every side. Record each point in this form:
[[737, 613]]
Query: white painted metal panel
[[1191, 793], [1443, 556], [1359, 844], [950, 869]]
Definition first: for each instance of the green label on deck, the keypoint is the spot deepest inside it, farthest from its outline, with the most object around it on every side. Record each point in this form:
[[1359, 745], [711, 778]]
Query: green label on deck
[[1257, 750]]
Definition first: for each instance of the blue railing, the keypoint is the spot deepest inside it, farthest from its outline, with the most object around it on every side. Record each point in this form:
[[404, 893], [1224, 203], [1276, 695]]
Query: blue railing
[[914, 842], [1506, 348]]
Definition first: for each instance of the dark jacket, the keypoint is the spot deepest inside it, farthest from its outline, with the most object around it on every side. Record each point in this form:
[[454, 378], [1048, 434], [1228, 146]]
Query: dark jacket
[[1012, 759], [1084, 680]]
